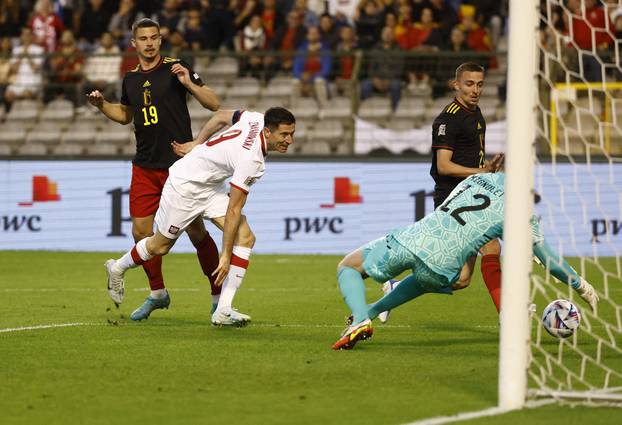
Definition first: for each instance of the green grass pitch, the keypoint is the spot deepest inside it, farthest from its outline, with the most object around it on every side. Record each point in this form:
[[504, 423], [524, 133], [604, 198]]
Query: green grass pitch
[[437, 355]]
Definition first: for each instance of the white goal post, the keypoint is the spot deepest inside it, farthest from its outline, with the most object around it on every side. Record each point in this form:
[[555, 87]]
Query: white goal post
[[517, 251], [565, 103]]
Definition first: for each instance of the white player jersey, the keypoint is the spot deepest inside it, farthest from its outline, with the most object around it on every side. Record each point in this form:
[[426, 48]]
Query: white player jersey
[[238, 152]]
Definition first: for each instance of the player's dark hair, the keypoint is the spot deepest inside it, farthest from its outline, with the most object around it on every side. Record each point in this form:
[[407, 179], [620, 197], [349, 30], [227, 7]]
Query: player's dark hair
[[277, 116], [468, 67], [144, 23]]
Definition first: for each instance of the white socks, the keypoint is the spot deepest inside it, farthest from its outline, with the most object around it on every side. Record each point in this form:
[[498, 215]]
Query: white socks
[[128, 261], [234, 278], [158, 294]]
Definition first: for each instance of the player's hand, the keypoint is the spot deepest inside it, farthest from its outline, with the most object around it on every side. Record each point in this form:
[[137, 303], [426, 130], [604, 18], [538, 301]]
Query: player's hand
[[181, 149], [496, 163], [222, 270], [95, 98], [182, 73]]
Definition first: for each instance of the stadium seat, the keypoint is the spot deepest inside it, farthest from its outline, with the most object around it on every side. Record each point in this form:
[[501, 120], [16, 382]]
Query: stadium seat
[[268, 102], [304, 108], [5, 150], [13, 132], [338, 108], [584, 123], [128, 149], [222, 68], [302, 132], [279, 87], [328, 130], [315, 147], [219, 86], [375, 109], [64, 149], [488, 106], [58, 109], [197, 111], [24, 110], [114, 132], [247, 87], [48, 132], [412, 108], [81, 132], [35, 149], [102, 149]]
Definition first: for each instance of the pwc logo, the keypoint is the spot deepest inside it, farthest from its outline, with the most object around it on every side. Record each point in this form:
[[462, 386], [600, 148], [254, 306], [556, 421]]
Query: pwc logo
[[344, 192], [43, 190]]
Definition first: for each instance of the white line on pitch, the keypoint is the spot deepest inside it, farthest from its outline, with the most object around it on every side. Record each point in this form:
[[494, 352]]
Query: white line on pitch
[[56, 325], [492, 411]]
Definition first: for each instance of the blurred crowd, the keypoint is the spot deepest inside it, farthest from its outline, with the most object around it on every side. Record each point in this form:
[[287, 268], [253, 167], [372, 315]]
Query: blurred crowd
[[64, 47]]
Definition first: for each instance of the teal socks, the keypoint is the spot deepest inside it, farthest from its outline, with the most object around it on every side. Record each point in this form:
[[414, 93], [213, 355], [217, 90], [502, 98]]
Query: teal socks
[[353, 290]]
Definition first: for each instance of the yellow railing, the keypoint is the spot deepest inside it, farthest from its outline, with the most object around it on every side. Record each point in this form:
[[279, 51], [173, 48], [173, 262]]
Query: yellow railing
[[598, 86]]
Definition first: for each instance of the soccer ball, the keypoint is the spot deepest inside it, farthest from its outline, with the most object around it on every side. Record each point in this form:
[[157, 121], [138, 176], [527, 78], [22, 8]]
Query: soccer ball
[[561, 318]]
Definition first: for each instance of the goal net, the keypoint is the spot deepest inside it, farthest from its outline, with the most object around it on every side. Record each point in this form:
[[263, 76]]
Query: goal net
[[578, 197]]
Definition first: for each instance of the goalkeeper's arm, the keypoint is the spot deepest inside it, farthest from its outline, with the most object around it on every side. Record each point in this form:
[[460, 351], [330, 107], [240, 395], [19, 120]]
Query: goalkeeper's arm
[[564, 272]]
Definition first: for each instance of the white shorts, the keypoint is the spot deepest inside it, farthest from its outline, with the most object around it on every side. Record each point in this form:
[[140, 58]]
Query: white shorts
[[176, 212]]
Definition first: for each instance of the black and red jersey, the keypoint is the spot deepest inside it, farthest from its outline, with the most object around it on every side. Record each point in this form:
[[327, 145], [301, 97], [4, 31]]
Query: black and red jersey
[[463, 132], [158, 102]]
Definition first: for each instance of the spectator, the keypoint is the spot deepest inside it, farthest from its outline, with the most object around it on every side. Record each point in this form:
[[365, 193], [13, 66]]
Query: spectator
[[251, 39], [390, 20], [93, 23], [384, 69], [404, 31], [444, 15], [243, 10], [179, 49], [5, 65], [344, 62], [589, 35], [328, 31], [46, 25], [309, 17], [102, 69], [368, 19], [168, 18], [120, 25], [271, 18], [427, 37], [26, 61], [218, 17], [312, 68], [488, 15], [66, 70], [11, 17], [286, 39], [477, 37], [193, 31], [447, 64]]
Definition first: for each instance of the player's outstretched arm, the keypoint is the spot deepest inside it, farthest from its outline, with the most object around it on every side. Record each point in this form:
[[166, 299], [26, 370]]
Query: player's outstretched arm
[[237, 199], [564, 272], [115, 111], [217, 122]]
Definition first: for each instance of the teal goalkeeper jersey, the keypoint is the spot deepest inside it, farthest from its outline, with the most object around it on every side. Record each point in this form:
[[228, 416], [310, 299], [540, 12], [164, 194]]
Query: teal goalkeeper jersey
[[470, 217]]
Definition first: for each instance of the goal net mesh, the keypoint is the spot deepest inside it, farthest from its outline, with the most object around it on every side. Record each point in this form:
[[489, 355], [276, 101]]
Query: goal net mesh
[[578, 195]]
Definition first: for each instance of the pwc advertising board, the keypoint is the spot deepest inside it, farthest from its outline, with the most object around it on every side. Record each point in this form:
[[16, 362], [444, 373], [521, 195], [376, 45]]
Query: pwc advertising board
[[296, 207]]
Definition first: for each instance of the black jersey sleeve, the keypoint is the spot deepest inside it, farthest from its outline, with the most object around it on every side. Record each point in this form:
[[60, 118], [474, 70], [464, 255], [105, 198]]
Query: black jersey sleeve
[[196, 79], [444, 132]]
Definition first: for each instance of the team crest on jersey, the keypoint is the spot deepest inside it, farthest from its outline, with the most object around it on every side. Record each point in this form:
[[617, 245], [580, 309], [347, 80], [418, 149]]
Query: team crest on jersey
[[147, 97], [173, 230], [147, 84], [250, 181], [441, 130], [479, 126]]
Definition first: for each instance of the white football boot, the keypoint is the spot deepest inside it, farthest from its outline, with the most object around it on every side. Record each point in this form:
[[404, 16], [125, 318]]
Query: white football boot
[[387, 287], [230, 317], [589, 295], [116, 283]]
